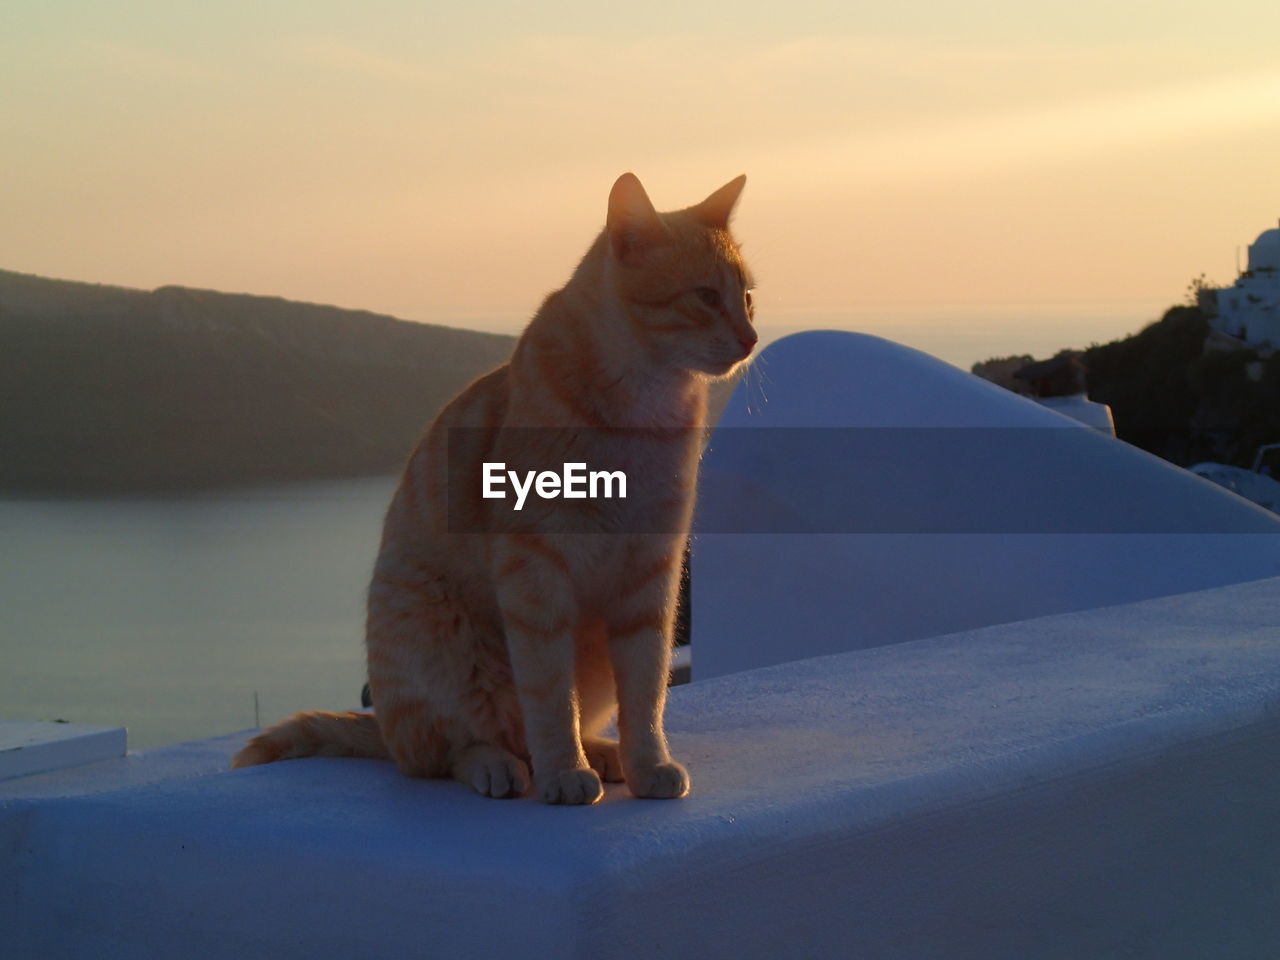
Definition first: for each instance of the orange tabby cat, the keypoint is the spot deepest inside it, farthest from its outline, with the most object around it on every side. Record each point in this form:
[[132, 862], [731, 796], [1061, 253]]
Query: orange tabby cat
[[493, 653]]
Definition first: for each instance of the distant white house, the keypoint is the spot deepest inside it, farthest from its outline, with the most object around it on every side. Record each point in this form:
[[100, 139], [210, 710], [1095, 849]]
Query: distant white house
[[1080, 407], [1249, 311]]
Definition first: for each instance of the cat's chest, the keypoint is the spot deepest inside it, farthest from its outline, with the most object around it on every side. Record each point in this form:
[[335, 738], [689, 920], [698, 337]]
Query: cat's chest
[[662, 405], [632, 481], [660, 464], [659, 443]]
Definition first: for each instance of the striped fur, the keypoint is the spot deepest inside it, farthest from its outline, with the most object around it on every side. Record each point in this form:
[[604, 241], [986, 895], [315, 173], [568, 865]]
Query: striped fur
[[499, 659]]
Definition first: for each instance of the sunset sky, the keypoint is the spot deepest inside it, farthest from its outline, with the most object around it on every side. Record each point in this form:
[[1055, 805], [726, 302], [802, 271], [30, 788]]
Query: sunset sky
[[1035, 174]]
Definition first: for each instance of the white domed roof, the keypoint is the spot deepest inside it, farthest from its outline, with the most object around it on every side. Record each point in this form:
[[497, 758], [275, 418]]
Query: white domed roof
[[903, 498], [1265, 251]]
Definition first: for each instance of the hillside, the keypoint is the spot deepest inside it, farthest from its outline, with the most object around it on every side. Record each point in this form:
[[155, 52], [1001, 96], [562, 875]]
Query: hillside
[[108, 390], [1173, 390], [1174, 398]]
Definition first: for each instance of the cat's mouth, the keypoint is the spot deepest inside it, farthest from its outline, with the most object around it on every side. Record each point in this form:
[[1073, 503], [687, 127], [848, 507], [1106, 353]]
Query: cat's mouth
[[721, 368], [747, 350]]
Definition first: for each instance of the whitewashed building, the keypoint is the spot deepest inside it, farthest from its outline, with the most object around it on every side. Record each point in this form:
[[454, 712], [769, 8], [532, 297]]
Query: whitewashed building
[[1249, 311]]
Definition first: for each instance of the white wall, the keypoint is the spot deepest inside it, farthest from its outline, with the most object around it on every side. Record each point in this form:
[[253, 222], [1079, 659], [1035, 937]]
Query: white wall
[[1097, 784]]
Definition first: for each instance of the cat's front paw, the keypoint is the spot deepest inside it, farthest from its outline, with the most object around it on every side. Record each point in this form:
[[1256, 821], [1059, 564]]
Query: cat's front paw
[[570, 786], [659, 781]]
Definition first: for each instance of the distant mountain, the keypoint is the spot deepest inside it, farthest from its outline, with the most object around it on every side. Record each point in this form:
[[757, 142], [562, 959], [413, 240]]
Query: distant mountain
[[110, 391]]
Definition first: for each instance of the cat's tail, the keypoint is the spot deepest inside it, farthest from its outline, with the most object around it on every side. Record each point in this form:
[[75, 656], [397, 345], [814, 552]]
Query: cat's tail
[[316, 733]]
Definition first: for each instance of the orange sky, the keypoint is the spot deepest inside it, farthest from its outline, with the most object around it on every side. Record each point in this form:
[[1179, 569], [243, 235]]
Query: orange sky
[[927, 170]]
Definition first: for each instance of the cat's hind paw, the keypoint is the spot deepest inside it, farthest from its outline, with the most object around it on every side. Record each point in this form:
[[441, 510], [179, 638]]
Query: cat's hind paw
[[574, 786], [659, 781], [602, 755], [493, 772]]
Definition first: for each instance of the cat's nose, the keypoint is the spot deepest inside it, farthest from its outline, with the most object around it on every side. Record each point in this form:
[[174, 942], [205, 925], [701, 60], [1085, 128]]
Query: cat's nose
[[748, 343]]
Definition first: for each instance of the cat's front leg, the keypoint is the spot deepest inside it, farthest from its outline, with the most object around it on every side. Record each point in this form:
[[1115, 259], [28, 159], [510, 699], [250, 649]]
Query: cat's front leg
[[538, 615], [640, 648]]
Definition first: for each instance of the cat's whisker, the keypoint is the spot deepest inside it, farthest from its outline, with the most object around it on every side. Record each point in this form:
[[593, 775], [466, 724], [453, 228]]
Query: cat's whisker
[[762, 375], [755, 376]]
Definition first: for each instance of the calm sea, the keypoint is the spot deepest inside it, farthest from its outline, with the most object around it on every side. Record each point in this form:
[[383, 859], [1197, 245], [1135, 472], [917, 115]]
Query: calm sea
[[165, 616]]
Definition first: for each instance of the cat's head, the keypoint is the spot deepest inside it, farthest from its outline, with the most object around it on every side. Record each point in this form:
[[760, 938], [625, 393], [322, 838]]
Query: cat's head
[[680, 277]]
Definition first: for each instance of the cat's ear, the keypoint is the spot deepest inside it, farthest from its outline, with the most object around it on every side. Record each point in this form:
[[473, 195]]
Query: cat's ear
[[633, 224], [717, 208]]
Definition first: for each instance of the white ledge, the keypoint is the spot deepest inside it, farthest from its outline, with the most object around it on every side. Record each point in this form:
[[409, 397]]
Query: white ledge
[[1090, 784]]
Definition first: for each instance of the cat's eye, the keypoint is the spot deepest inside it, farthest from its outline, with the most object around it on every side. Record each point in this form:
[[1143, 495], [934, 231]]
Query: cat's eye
[[746, 298], [708, 295]]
